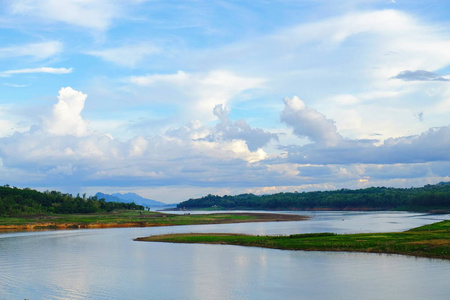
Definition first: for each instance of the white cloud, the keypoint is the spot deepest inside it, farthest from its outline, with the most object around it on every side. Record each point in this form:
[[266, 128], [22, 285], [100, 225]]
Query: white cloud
[[127, 56], [196, 93], [10, 120], [443, 106], [227, 130], [15, 85], [179, 78], [38, 51], [330, 148], [350, 59], [209, 141], [62, 147], [307, 122], [90, 14], [289, 189], [357, 98], [66, 118], [331, 59], [6, 126], [287, 169], [47, 70], [413, 44]]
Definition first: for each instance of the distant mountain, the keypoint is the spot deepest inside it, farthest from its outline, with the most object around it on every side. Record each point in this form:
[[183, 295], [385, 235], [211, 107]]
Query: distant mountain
[[109, 198], [130, 197], [444, 183]]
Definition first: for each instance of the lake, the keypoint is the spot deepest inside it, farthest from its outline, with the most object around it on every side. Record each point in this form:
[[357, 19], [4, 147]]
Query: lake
[[108, 264]]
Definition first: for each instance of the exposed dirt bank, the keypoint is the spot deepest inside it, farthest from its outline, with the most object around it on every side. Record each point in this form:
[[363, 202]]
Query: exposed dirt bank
[[53, 225]]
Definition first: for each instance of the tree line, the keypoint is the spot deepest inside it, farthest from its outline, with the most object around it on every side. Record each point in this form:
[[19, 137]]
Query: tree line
[[14, 201], [373, 198]]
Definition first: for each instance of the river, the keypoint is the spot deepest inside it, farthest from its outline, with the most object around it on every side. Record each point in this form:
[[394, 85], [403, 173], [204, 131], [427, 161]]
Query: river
[[108, 264]]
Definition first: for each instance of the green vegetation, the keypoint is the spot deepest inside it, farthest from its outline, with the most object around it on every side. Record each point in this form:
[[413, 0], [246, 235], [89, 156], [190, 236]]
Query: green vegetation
[[430, 197], [15, 201], [427, 241]]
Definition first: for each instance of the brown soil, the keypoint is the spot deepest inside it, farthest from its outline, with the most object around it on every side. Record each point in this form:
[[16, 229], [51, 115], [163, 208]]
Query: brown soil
[[432, 242], [52, 225]]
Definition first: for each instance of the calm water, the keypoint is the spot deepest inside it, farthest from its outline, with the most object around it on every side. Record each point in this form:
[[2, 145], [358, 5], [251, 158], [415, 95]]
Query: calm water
[[107, 264]]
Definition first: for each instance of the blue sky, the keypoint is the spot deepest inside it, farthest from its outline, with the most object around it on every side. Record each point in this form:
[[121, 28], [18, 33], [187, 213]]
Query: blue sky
[[178, 99]]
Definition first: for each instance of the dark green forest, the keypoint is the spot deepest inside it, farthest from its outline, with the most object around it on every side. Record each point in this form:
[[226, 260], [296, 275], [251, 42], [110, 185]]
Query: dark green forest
[[375, 198], [16, 201]]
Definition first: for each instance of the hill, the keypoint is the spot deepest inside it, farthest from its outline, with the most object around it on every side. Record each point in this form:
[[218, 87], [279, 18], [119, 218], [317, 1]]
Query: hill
[[129, 198], [17, 201], [429, 197]]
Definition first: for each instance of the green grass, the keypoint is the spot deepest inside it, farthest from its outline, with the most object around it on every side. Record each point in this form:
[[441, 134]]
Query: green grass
[[427, 241]]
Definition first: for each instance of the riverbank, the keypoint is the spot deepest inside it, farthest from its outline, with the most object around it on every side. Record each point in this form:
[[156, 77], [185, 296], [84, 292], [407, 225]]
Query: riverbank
[[431, 241], [120, 219]]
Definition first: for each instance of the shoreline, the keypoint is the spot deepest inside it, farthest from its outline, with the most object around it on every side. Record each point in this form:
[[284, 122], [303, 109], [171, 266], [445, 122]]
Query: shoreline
[[436, 211], [65, 226], [149, 220], [429, 241]]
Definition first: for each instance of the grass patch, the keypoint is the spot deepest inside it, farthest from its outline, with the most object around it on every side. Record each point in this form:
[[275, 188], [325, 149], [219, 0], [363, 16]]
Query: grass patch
[[426, 241]]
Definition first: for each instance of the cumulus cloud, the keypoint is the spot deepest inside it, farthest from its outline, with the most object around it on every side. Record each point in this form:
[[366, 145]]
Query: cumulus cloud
[[330, 147], [228, 142], [313, 57], [431, 145], [414, 149], [419, 75], [66, 115], [98, 159], [37, 51], [229, 154], [62, 147], [47, 70], [227, 130], [308, 122]]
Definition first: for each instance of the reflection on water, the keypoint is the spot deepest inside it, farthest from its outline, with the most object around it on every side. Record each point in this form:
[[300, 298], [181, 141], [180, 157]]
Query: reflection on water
[[107, 264]]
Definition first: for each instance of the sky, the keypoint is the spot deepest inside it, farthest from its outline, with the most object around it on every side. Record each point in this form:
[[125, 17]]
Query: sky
[[179, 99]]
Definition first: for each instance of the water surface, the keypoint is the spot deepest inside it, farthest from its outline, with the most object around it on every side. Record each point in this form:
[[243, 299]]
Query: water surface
[[108, 264]]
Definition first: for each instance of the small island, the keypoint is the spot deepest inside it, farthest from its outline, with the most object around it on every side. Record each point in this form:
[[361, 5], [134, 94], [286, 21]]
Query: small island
[[127, 218], [432, 241]]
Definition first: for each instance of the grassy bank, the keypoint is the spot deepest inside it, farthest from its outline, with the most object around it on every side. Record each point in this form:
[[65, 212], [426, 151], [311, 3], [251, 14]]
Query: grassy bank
[[427, 241], [133, 218]]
